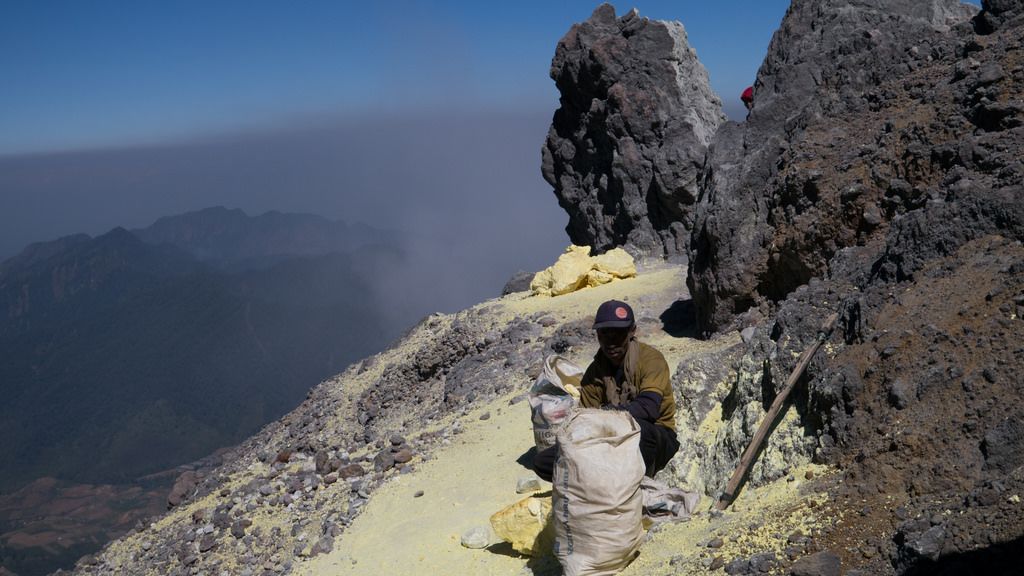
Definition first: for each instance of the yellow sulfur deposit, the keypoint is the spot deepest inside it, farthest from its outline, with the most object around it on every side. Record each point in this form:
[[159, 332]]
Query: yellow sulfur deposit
[[616, 263], [527, 525], [576, 269]]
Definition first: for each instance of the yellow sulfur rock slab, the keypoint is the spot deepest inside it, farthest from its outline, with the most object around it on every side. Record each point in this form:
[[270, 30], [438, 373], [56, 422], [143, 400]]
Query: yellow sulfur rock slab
[[616, 263], [576, 269], [527, 525]]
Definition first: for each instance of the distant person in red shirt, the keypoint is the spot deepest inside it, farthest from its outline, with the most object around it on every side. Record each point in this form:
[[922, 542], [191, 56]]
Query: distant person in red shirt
[[748, 99]]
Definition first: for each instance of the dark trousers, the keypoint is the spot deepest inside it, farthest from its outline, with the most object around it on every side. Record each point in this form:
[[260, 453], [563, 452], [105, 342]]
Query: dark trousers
[[657, 445]]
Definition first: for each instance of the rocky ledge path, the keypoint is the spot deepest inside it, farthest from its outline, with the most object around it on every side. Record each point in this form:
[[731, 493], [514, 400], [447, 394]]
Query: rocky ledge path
[[383, 469]]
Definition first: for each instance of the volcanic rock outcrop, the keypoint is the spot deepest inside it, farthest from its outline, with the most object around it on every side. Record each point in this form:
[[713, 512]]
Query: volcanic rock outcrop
[[880, 176], [627, 145], [764, 225]]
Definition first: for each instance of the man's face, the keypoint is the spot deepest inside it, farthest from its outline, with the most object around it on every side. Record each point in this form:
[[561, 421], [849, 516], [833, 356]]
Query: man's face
[[613, 342]]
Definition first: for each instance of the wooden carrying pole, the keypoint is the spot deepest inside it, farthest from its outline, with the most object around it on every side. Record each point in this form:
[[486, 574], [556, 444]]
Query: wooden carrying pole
[[747, 460]]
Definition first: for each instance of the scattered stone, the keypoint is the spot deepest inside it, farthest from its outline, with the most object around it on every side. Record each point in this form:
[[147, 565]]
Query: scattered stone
[[716, 542], [351, 471], [527, 484], [207, 543], [823, 563], [323, 546], [417, 494], [184, 486], [323, 463], [763, 563], [221, 519], [899, 394], [485, 416], [1003, 445], [402, 456], [872, 215], [738, 566], [476, 538], [927, 545], [519, 282], [383, 461]]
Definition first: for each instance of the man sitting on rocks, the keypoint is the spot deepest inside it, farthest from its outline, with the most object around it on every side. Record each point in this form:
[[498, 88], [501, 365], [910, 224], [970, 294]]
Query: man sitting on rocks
[[626, 374]]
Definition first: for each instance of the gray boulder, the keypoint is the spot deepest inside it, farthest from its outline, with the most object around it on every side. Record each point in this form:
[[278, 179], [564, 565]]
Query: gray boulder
[[819, 564], [1003, 445], [519, 282], [626, 147]]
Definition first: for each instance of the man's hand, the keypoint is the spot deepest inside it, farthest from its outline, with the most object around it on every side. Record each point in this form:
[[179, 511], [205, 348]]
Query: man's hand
[[646, 406]]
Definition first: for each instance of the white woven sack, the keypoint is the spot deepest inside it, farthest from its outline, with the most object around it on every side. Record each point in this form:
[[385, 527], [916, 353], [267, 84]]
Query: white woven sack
[[597, 501], [553, 398]]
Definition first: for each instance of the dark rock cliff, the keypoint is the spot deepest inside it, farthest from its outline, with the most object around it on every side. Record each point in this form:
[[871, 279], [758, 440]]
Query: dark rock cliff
[[627, 145], [826, 63]]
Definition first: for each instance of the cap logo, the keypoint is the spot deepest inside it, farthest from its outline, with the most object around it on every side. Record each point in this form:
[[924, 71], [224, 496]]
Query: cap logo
[[621, 313]]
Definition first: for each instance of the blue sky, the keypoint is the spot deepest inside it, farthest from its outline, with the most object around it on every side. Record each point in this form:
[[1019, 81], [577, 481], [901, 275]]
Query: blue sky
[[105, 73]]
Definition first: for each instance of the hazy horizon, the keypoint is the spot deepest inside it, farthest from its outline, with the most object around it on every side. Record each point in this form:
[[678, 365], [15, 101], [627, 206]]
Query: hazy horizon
[[469, 187]]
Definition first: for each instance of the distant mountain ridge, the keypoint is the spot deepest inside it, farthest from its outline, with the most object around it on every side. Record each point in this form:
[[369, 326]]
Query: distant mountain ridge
[[222, 235], [135, 351]]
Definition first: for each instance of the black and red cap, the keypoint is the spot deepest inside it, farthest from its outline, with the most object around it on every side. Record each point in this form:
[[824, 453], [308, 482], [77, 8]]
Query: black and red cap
[[613, 314]]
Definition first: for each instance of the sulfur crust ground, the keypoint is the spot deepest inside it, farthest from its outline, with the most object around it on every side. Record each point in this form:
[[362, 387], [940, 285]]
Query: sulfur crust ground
[[465, 482], [473, 477]]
